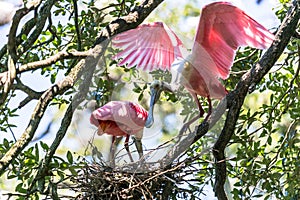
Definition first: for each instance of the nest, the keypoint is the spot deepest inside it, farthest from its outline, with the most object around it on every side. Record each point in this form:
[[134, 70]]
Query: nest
[[166, 178]]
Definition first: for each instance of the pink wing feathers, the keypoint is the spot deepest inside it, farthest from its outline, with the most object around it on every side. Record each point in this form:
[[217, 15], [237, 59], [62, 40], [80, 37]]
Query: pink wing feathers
[[222, 29], [148, 47]]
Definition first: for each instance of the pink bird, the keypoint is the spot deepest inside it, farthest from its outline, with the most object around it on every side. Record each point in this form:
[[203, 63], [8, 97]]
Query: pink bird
[[121, 118], [221, 30]]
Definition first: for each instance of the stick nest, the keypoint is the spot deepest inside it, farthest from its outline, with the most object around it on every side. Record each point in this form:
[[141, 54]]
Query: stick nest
[[101, 182]]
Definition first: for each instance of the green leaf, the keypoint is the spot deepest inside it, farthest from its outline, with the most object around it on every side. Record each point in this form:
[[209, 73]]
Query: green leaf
[[19, 188], [24, 37], [269, 140], [73, 171], [70, 157], [44, 146]]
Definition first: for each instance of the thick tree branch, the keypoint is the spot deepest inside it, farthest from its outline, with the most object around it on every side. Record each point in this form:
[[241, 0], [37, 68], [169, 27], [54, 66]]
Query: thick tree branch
[[25, 30], [9, 78], [12, 55], [53, 59], [234, 100], [76, 22], [30, 92], [12, 47], [41, 20], [15, 54]]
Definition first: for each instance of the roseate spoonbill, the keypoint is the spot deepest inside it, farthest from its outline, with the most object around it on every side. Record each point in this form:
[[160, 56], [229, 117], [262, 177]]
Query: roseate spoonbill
[[121, 118], [221, 30]]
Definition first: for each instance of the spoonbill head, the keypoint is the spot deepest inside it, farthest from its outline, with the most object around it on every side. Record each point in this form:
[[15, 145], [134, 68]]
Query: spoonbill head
[[155, 90]]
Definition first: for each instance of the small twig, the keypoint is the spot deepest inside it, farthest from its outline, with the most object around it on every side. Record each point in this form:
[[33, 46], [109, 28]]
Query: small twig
[[244, 58]]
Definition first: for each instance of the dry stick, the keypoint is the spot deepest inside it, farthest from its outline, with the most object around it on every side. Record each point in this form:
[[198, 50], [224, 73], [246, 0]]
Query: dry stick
[[153, 177], [192, 137]]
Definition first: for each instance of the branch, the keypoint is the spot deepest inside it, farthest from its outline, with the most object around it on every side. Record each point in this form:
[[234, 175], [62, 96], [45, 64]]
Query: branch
[[53, 59], [7, 78], [25, 30], [140, 13], [27, 27], [87, 67], [132, 20], [44, 13], [30, 92], [236, 98], [13, 31], [12, 55], [76, 22], [12, 43], [183, 145]]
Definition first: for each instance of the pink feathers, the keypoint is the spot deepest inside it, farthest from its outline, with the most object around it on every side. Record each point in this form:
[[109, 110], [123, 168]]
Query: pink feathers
[[149, 46], [222, 29], [119, 118]]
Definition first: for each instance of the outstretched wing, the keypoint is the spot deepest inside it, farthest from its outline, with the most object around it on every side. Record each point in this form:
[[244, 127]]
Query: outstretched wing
[[222, 29], [148, 47]]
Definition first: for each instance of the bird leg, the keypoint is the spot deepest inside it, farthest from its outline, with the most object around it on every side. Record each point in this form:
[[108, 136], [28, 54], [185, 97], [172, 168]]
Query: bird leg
[[112, 152], [199, 105], [139, 147], [187, 125], [127, 147], [209, 108]]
